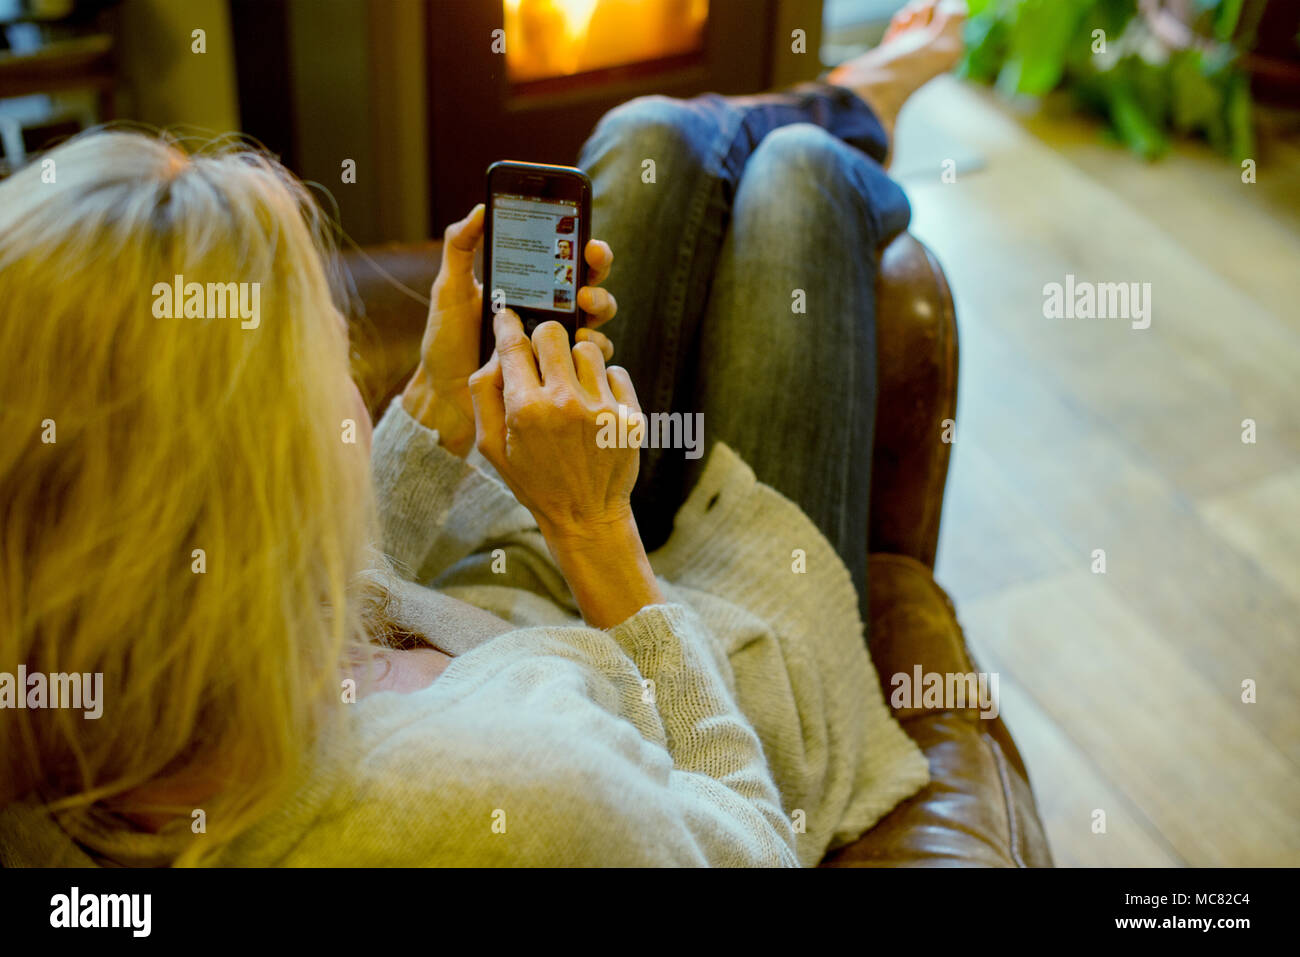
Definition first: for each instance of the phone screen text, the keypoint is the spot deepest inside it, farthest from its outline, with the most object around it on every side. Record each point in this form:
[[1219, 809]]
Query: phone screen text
[[534, 251]]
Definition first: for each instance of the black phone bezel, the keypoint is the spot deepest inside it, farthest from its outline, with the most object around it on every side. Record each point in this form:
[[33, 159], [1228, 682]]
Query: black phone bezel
[[543, 181]]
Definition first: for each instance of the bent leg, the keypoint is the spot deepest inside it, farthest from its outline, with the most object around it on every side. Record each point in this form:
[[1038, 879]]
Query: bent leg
[[787, 371], [665, 173]]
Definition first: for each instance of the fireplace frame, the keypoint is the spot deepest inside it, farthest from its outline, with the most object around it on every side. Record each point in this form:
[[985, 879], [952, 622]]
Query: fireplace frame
[[474, 119]]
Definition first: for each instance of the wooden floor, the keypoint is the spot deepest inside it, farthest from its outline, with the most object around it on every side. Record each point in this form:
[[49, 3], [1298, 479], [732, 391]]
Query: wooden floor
[[1124, 689]]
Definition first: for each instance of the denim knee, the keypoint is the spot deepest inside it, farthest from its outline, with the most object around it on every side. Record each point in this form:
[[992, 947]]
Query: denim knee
[[805, 164], [801, 153], [648, 127]]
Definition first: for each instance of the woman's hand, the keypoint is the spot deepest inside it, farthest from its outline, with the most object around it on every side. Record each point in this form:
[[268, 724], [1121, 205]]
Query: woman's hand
[[546, 416], [541, 408], [438, 393]]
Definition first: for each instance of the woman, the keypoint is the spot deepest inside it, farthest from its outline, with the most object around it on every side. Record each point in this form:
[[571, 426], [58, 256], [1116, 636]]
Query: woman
[[188, 508]]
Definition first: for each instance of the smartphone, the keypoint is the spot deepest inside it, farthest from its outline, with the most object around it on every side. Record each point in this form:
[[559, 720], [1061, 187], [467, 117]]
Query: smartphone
[[535, 231]]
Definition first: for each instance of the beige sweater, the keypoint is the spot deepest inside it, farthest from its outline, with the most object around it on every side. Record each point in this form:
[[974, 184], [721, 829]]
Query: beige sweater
[[739, 724]]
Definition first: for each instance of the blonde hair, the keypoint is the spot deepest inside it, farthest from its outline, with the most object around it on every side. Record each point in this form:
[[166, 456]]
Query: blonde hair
[[169, 436]]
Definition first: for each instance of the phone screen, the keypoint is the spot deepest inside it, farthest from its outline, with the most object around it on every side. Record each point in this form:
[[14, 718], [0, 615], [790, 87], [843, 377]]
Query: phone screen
[[535, 251]]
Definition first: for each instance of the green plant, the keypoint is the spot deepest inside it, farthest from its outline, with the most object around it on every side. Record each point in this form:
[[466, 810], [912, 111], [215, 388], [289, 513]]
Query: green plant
[[1148, 81]]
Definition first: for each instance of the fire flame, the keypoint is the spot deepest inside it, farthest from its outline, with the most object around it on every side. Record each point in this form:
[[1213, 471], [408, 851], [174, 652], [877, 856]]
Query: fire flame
[[547, 38]]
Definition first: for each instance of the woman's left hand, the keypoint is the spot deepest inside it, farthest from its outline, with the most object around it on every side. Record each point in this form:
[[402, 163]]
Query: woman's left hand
[[438, 394]]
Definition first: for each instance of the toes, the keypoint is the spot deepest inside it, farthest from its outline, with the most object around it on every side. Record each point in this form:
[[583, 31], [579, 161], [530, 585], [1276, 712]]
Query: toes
[[918, 13], [901, 22]]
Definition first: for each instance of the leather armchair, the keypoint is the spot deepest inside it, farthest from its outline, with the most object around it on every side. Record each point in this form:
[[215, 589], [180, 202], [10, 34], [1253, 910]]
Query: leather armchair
[[978, 808]]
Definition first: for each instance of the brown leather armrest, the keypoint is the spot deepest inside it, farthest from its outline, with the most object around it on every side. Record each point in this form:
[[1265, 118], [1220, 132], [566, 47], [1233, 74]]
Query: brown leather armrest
[[916, 345], [978, 808]]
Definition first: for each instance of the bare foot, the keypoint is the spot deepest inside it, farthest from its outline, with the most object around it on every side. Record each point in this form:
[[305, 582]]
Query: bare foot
[[914, 13], [924, 39]]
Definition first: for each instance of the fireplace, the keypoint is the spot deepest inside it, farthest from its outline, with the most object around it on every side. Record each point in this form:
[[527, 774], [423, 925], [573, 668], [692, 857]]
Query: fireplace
[[528, 79]]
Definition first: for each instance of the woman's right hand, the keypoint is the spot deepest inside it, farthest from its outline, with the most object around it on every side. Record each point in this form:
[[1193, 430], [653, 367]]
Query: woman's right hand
[[545, 416], [540, 408]]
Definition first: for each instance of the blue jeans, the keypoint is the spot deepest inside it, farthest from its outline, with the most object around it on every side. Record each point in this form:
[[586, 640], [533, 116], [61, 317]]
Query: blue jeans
[[745, 269]]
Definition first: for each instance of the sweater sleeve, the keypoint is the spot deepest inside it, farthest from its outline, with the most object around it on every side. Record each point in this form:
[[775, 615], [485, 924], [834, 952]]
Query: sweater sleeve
[[720, 774], [434, 507]]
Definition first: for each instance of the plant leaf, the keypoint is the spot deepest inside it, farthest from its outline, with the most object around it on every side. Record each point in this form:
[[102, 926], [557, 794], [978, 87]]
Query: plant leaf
[[1226, 19], [986, 45], [1241, 127], [1195, 100], [1039, 44], [1133, 126]]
